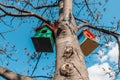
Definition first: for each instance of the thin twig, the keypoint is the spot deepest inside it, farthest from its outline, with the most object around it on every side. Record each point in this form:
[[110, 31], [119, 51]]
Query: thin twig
[[80, 20], [90, 10], [36, 64], [43, 6], [13, 7]]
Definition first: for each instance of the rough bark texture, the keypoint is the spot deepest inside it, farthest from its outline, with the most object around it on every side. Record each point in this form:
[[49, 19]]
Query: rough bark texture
[[9, 75], [70, 59]]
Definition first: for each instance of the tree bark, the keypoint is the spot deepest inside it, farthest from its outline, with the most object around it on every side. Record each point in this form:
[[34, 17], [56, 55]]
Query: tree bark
[[70, 63], [9, 75]]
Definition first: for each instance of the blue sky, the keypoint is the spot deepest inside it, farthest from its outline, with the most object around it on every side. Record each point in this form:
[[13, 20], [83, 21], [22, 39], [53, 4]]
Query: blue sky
[[19, 44]]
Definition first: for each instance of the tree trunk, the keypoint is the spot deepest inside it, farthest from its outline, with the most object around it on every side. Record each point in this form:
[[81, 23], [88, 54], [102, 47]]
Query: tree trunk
[[9, 75], [70, 63]]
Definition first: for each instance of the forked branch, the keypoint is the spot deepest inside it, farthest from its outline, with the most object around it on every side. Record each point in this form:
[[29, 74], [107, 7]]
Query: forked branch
[[23, 13], [13, 7]]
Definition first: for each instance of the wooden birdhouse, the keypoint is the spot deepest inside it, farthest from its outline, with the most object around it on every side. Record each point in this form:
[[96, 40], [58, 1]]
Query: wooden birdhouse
[[43, 39], [87, 42]]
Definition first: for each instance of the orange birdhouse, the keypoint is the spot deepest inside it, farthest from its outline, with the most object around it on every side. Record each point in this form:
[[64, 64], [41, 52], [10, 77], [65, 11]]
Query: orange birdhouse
[[87, 43]]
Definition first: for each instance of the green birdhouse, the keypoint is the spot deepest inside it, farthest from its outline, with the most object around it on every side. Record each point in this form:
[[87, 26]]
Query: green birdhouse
[[43, 40]]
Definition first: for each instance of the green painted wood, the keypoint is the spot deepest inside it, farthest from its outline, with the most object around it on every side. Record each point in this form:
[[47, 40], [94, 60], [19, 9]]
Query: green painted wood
[[43, 40]]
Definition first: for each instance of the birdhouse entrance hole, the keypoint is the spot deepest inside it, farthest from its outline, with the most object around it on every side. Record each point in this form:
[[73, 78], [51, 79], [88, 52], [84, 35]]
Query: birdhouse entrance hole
[[44, 31]]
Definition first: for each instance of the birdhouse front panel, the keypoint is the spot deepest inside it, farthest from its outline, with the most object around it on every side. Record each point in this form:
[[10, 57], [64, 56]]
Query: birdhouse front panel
[[43, 40], [88, 46]]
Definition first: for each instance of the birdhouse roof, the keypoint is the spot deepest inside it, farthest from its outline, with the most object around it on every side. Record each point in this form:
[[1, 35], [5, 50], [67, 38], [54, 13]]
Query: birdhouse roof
[[43, 26], [88, 34]]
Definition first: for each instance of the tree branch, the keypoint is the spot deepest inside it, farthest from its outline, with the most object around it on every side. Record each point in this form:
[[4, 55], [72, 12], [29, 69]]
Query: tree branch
[[3, 15], [36, 63], [28, 14], [80, 19], [89, 10], [42, 77], [9, 75], [99, 29], [24, 13], [53, 5], [118, 42], [13, 7], [43, 6]]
